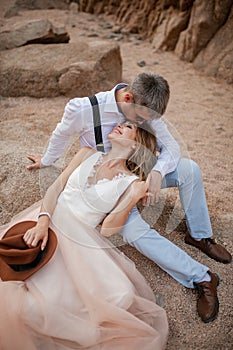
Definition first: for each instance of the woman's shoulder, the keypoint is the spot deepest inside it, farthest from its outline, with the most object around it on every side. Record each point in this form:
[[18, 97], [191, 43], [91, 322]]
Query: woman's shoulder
[[83, 154], [88, 152]]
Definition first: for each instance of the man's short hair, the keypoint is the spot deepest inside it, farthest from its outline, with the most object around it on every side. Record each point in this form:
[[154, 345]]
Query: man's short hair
[[152, 91]]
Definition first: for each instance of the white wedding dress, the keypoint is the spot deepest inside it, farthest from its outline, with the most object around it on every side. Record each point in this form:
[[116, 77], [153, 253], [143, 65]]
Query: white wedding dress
[[89, 295]]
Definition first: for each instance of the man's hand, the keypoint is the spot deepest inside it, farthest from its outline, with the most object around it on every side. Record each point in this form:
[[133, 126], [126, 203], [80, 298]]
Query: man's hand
[[154, 181], [36, 158]]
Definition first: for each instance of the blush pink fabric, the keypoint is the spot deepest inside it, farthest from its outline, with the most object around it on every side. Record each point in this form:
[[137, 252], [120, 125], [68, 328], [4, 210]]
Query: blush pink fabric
[[89, 295]]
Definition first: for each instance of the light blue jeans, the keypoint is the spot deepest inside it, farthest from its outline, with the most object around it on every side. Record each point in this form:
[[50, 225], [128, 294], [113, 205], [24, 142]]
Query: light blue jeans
[[187, 177]]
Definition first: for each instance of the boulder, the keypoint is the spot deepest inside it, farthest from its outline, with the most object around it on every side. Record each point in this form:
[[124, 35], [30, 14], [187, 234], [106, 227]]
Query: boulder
[[14, 6], [36, 31], [74, 69]]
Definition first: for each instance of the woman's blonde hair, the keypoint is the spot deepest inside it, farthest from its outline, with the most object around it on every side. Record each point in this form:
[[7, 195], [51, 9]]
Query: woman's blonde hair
[[143, 158]]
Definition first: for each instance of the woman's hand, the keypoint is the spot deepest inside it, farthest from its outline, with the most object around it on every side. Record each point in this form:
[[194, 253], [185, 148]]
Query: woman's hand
[[139, 189], [36, 234], [116, 219]]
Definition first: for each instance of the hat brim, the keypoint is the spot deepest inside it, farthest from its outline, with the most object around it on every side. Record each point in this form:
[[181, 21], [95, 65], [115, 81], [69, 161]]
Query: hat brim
[[18, 252]]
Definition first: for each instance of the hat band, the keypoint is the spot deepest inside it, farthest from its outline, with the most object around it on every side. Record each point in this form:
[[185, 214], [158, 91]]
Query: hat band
[[25, 267]]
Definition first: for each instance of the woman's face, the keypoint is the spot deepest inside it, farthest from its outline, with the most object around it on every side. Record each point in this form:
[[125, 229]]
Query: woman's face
[[124, 131]]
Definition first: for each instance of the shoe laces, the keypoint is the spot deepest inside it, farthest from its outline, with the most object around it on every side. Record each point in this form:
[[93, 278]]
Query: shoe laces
[[203, 290], [209, 241]]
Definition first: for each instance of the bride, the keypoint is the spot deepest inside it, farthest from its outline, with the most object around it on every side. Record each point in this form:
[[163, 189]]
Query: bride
[[88, 295]]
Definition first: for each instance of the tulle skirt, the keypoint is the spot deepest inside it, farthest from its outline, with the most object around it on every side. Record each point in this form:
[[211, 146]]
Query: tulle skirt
[[88, 296]]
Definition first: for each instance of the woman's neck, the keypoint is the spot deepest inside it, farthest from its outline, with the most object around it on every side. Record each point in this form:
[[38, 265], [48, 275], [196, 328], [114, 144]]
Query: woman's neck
[[117, 157]]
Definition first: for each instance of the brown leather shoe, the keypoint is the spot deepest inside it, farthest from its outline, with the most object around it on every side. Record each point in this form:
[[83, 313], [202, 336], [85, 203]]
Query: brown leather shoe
[[207, 303], [210, 248]]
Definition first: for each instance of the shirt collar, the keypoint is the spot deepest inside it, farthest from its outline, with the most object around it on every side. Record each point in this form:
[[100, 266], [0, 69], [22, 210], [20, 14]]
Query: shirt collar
[[111, 104]]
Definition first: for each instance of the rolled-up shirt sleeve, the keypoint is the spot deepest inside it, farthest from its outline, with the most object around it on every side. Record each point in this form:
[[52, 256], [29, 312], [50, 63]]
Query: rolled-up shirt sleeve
[[168, 148], [64, 130]]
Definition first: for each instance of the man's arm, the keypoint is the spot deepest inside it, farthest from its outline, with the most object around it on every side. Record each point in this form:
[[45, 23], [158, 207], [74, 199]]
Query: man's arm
[[169, 150], [169, 155], [60, 136]]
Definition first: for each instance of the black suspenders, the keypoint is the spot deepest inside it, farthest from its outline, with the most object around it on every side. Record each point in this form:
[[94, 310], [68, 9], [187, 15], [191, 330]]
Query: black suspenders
[[97, 123]]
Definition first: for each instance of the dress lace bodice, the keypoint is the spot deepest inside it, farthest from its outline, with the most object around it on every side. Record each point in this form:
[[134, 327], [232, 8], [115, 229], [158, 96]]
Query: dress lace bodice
[[91, 202], [104, 179]]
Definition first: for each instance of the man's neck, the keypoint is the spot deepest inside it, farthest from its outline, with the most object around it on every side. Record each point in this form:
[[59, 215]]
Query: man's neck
[[119, 95]]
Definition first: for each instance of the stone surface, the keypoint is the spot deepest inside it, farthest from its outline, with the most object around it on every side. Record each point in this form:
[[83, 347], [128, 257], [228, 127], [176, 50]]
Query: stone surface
[[35, 31], [205, 20], [184, 26], [14, 6], [167, 33], [76, 69], [217, 58]]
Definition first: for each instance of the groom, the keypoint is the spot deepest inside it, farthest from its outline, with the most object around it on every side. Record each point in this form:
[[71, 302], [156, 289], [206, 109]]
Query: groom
[[145, 101]]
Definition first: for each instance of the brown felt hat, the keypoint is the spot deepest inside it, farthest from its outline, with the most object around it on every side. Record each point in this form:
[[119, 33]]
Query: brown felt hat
[[17, 260]]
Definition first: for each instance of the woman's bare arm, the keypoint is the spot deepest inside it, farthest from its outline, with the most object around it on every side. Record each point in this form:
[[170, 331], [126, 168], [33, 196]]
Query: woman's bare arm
[[115, 220], [40, 231]]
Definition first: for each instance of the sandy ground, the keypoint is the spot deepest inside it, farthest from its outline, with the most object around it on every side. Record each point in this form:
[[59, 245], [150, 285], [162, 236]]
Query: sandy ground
[[200, 116]]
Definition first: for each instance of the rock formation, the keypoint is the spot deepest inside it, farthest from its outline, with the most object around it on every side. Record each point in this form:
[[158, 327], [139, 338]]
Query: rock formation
[[197, 31]]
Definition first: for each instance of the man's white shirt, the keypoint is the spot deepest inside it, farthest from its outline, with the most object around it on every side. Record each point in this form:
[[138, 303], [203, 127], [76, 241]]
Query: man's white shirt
[[78, 120]]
